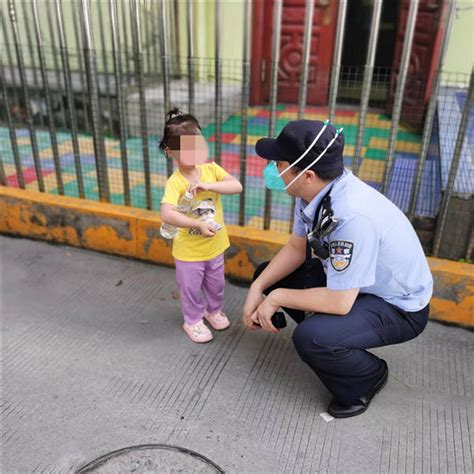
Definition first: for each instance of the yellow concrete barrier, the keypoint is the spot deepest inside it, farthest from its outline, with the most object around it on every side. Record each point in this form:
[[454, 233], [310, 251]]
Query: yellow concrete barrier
[[134, 233]]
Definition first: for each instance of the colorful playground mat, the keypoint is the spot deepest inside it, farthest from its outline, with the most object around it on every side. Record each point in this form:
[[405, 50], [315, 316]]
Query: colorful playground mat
[[371, 171]]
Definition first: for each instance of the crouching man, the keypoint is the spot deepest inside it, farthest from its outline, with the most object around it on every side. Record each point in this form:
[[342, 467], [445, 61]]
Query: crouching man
[[353, 274]]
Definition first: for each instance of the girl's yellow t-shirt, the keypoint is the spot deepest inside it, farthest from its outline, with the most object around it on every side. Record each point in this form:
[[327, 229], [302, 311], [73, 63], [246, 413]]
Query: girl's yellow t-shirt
[[189, 245]]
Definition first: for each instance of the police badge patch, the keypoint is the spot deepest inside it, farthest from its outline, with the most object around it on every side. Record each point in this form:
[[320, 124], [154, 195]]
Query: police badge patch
[[340, 253]]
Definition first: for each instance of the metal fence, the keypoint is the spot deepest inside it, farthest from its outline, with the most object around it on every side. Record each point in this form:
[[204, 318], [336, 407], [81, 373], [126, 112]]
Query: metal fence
[[85, 90]]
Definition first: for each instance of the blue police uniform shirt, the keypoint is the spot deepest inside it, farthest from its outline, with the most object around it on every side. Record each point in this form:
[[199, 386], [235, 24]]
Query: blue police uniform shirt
[[374, 246]]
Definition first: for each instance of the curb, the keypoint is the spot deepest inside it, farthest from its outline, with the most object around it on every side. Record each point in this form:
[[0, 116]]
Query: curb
[[135, 233]]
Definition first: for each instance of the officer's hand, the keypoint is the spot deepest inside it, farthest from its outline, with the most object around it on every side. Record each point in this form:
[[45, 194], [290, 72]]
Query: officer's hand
[[254, 298], [264, 313]]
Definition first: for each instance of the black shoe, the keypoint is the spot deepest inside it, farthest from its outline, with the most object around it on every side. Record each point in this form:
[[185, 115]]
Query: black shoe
[[337, 410]]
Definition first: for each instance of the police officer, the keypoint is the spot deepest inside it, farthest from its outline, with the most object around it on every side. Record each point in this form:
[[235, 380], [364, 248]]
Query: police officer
[[352, 275]]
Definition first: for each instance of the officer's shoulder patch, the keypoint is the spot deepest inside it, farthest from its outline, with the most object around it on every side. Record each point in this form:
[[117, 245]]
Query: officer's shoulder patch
[[340, 253]]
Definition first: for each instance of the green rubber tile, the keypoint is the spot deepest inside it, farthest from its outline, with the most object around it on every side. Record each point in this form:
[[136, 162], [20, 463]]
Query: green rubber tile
[[156, 197], [138, 196], [136, 165], [280, 123], [156, 153], [232, 125], [70, 189], [117, 199], [90, 182], [258, 130], [281, 198], [209, 131], [63, 137], [25, 151], [212, 148], [92, 195], [409, 136], [232, 204], [375, 154], [115, 163], [350, 134], [255, 194], [372, 132], [7, 155], [71, 169]]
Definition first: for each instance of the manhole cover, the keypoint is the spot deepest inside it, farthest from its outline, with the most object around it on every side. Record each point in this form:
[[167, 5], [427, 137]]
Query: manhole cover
[[151, 458]]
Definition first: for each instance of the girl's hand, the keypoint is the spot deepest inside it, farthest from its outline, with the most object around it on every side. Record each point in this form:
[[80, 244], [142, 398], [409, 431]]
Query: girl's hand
[[207, 230], [199, 186]]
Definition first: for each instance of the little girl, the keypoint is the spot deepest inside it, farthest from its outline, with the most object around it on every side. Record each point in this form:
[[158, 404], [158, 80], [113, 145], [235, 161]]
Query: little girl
[[198, 247]]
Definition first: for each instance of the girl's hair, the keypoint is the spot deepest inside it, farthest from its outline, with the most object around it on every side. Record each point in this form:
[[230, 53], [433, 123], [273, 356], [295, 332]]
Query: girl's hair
[[178, 124]]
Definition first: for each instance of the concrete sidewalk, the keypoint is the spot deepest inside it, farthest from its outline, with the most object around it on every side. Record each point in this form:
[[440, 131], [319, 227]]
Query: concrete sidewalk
[[94, 360]]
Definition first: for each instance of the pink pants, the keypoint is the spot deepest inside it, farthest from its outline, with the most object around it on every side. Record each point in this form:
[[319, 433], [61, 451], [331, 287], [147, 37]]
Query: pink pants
[[192, 277]]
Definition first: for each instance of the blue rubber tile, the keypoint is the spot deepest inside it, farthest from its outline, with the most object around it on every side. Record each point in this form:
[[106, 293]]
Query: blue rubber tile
[[375, 185], [254, 182], [449, 115], [258, 122], [400, 187], [231, 218], [236, 148], [348, 160], [279, 211]]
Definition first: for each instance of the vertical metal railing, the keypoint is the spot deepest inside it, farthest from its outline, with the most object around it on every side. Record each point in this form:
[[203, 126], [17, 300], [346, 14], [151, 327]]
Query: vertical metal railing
[[277, 13], [244, 107], [191, 70], [47, 96], [26, 96], [25, 15], [11, 63], [69, 97], [308, 30], [336, 65], [154, 37], [431, 111], [125, 14], [400, 91], [367, 84], [165, 70], [121, 104], [57, 69], [94, 104], [146, 12], [12, 132], [77, 25], [303, 92], [453, 170], [218, 80], [141, 23], [138, 58], [3, 176], [105, 65]]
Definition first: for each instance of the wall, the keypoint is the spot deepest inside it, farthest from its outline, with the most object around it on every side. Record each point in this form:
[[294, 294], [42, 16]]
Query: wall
[[135, 233], [204, 37], [460, 53]]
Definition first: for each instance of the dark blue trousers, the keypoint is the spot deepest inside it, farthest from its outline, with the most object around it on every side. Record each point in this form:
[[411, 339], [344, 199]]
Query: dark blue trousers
[[335, 347]]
